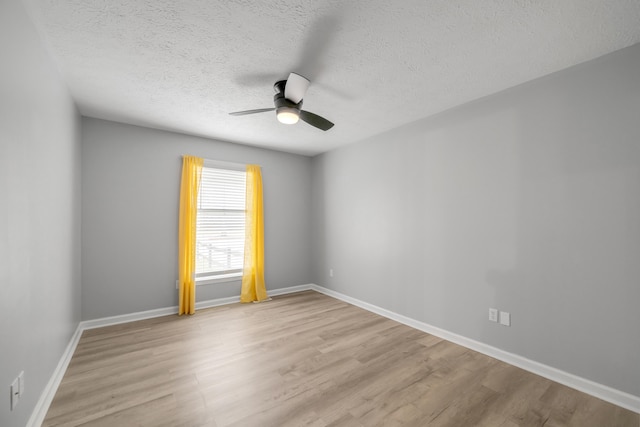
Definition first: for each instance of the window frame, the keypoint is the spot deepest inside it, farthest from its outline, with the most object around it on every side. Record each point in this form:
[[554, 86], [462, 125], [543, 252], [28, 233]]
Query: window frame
[[209, 278]]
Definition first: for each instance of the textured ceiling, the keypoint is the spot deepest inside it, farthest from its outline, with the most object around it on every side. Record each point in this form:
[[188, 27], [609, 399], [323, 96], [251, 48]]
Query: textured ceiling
[[373, 64]]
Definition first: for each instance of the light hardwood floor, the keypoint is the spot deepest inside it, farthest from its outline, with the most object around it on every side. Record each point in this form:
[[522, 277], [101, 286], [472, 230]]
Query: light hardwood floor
[[303, 360]]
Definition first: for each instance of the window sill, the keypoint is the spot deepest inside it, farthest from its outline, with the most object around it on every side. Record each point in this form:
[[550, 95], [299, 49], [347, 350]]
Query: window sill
[[225, 278]]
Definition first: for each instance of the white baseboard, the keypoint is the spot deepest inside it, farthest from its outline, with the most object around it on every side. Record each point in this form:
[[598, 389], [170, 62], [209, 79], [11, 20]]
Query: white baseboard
[[600, 391], [125, 318], [291, 290], [166, 311], [42, 406]]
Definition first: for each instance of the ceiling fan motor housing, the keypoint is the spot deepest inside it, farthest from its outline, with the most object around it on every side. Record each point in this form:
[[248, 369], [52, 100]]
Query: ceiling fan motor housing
[[280, 101]]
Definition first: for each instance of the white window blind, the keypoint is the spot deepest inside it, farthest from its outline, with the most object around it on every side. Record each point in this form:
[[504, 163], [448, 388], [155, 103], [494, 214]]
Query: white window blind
[[220, 224]]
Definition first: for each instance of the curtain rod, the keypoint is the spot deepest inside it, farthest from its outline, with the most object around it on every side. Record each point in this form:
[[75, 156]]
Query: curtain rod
[[211, 163]]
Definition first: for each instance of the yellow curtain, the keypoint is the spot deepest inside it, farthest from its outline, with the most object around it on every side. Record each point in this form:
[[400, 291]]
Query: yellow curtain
[[189, 186], [253, 286]]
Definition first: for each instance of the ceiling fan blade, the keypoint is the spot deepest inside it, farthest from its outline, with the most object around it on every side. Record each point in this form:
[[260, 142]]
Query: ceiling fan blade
[[315, 120], [295, 88], [244, 113]]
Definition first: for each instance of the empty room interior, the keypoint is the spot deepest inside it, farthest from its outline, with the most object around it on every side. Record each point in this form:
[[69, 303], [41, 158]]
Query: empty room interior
[[446, 233]]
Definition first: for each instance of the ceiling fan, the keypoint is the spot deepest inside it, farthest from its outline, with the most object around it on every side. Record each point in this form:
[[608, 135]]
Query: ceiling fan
[[288, 104]]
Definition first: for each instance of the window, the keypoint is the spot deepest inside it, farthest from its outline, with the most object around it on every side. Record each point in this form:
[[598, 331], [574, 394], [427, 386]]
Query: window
[[220, 224]]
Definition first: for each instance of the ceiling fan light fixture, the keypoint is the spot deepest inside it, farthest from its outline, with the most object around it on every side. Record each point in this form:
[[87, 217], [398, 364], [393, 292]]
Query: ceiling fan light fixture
[[287, 115]]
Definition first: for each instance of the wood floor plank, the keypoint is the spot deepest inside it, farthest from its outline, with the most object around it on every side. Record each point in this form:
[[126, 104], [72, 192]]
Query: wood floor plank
[[303, 359]]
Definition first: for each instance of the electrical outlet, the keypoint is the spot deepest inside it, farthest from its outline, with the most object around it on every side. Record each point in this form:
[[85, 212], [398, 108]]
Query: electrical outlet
[[331, 272], [15, 390], [505, 318], [493, 314]]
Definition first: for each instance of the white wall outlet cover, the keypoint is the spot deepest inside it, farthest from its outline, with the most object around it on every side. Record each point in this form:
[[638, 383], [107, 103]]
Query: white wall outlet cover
[[505, 318], [493, 314], [15, 393]]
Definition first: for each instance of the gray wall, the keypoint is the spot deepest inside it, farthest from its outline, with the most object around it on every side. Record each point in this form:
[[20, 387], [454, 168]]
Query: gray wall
[[39, 213], [527, 201], [130, 190]]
